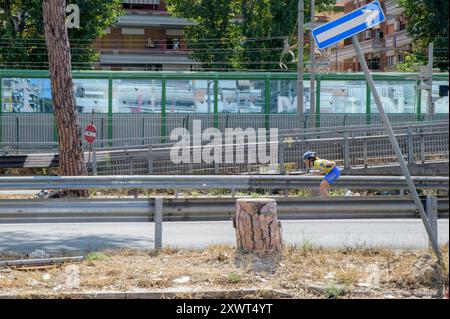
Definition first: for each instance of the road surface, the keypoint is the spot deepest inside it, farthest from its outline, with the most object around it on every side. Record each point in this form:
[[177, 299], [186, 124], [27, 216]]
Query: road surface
[[82, 237]]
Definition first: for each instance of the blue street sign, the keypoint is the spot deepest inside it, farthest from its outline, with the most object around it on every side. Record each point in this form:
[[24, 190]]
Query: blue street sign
[[352, 23]]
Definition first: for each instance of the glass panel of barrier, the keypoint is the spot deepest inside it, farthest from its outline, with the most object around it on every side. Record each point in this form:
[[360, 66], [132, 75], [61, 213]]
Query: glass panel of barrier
[[137, 96], [241, 96], [283, 96], [343, 97], [33, 95], [396, 97], [91, 95], [22, 95], [440, 96], [190, 96]]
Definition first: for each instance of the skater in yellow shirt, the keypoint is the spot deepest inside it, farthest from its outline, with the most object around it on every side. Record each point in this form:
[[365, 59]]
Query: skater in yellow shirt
[[327, 167]]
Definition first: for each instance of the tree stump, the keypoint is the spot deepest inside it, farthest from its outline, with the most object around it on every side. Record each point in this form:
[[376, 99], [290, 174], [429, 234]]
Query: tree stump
[[257, 227]]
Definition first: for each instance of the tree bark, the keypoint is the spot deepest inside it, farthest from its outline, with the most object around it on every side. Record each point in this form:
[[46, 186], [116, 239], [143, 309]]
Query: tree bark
[[257, 227], [71, 157]]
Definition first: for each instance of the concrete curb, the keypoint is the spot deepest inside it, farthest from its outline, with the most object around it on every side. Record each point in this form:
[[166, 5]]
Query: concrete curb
[[178, 293]]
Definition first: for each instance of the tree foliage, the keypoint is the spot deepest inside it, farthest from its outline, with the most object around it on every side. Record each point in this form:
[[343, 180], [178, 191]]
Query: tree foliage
[[241, 34], [428, 22], [22, 42]]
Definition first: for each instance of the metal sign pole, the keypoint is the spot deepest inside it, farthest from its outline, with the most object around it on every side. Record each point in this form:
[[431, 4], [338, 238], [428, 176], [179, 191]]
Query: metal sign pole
[[300, 88], [397, 150]]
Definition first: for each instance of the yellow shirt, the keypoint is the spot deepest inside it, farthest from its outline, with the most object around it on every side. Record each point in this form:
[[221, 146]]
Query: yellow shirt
[[323, 165]]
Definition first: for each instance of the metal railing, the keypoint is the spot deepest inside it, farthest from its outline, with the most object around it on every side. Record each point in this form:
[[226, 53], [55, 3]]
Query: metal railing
[[200, 182], [37, 132], [218, 209], [349, 147], [207, 209]]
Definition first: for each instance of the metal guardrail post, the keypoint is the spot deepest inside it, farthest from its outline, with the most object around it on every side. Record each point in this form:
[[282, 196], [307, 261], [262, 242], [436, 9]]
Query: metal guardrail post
[[158, 218], [281, 157], [422, 147], [94, 162], [346, 146], [432, 213], [410, 146], [150, 160], [365, 154]]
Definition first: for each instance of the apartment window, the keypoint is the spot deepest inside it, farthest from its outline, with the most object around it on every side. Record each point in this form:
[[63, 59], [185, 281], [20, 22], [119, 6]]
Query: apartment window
[[378, 33], [374, 63], [173, 44], [390, 61], [401, 58]]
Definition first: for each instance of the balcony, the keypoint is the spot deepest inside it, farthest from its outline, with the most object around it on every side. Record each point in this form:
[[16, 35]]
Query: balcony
[[392, 8], [367, 46], [401, 38]]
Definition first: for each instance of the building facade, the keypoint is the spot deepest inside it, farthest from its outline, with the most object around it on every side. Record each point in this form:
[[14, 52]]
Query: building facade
[[145, 38], [384, 46]]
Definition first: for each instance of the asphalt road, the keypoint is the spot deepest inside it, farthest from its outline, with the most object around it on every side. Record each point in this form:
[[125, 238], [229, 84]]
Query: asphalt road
[[79, 238]]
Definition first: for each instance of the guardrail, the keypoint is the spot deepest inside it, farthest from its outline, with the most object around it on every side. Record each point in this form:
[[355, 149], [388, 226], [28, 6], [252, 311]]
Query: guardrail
[[231, 182], [214, 209], [208, 209]]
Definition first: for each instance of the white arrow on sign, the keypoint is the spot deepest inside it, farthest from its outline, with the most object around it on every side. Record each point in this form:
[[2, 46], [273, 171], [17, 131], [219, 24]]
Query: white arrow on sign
[[368, 17]]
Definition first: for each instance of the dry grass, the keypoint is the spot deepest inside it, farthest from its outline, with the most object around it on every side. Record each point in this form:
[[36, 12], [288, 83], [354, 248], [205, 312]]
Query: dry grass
[[216, 267]]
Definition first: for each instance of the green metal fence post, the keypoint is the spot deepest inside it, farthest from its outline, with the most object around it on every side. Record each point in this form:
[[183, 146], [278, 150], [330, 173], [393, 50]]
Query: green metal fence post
[[110, 112], [216, 103], [1, 111], [267, 103], [368, 106], [318, 87], [163, 111], [419, 102]]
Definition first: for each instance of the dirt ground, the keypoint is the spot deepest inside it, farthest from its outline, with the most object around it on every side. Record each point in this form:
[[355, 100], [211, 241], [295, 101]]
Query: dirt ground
[[302, 272]]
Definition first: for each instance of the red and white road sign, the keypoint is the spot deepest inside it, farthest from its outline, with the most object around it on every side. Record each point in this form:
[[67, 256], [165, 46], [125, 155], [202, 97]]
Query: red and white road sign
[[90, 133]]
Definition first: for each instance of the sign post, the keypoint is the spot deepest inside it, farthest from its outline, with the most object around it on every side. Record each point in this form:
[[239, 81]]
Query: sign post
[[90, 134], [348, 26]]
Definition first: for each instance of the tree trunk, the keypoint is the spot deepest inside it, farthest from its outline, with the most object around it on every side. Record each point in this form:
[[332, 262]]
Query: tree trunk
[[71, 157], [257, 227]]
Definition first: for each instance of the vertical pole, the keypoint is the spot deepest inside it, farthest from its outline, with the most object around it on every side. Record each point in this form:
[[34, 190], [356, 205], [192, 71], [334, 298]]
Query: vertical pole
[[410, 146], [216, 103], [208, 97], [110, 110], [317, 115], [1, 111], [267, 104], [150, 159], [396, 148], [432, 212], [163, 111], [368, 110], [281, 157], [419, 102], [300, 89], [430, 80], [94, 162], [158, 222], [346, 151], [365, 155], [336, 60], [312, 68], [422, 147]]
